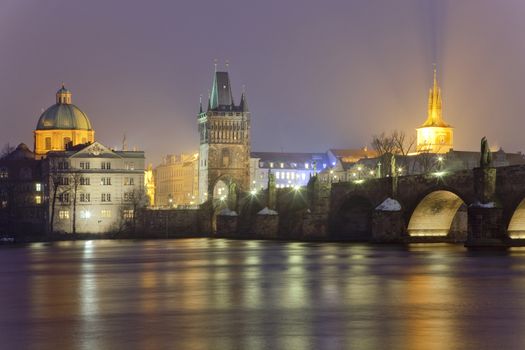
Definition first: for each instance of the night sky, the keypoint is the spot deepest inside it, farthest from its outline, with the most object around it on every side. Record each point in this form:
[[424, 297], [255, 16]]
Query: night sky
[[318, 74]]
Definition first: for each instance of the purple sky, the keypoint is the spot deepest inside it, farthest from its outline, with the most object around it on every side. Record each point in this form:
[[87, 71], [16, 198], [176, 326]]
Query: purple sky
[[319, 74]]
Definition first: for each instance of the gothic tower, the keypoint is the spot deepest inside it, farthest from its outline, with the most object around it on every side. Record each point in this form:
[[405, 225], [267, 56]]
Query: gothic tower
[[224, 152], [434, 136]]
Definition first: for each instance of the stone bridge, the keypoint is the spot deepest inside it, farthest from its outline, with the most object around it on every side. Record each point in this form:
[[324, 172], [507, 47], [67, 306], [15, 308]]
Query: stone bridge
[[480, 206]]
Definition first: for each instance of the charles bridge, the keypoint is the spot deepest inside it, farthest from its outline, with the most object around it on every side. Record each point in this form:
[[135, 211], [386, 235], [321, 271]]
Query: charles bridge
[[481, 207]]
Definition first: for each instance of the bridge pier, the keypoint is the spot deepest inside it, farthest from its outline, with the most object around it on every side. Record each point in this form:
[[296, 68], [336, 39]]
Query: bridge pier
[[388, 227], [485, 216], [485, 227]]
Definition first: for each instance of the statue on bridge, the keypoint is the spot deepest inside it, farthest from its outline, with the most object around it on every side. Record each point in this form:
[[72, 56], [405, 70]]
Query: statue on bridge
[[486, 156]]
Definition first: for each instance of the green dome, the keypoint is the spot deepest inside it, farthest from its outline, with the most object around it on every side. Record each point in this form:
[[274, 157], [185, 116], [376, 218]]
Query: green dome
[[63, 116]]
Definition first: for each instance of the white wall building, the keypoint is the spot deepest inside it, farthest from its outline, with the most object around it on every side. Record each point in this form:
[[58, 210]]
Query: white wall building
[[102, 187], [290, 169]]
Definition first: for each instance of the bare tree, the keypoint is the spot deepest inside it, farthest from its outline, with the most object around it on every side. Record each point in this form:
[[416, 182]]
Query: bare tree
[[403, 146], [56, 182], [134, 201], [396, 144], [6, 150], [73, 186]]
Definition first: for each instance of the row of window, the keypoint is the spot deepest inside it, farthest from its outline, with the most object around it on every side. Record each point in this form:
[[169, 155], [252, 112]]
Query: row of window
[[85, 197], [289, 175], [66, 142], [289, 165], [86, 214], [86, 181]]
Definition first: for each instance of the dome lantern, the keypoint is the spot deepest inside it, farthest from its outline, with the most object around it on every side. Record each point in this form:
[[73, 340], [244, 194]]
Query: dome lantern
[[63, 95]]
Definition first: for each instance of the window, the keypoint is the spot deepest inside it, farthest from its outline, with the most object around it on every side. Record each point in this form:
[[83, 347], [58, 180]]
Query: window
[[129, 181], [85, 214], [3, 173], [105, 213], [47, 143], [38, 199], [85, 197], [277, 175], [225, 158], [271, 164], [106, 165], [63, 214], [38, 187], [306, 165], [303, 175], [63, 165], [128, 196], [63, 198], [67, 142], [105, 181], [84, 165], [85, 181], [64, 181], [282, 165], [106, 197]]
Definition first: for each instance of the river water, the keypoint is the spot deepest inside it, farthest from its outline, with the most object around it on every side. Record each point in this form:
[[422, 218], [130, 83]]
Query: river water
[[228, 294]]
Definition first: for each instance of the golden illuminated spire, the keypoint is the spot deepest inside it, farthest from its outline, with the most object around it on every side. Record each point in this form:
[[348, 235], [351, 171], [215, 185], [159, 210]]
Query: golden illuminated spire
[[434, 116]]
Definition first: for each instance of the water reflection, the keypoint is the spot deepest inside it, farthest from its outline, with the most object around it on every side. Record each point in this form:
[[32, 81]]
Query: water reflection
[[221, 294]]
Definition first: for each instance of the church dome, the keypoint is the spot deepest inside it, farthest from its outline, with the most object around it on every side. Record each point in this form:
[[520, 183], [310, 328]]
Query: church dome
[[63, 115]]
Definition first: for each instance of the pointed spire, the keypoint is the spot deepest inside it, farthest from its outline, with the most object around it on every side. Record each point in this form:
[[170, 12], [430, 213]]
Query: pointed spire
[[200, 104], [215, 64], [434, 114], [244, 103], [221, 93]]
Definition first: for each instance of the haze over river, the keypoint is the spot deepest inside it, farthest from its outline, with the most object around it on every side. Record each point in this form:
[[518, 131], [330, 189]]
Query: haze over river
[[229, 294]]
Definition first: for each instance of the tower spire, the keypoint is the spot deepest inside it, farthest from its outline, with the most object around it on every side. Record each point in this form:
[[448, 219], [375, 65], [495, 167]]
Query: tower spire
[[434, 115]]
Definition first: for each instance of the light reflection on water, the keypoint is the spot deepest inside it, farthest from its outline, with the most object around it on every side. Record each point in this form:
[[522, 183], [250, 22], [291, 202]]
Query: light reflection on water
[[221, 294]]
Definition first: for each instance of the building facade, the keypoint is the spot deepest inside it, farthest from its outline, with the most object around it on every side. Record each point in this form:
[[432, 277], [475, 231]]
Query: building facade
[[177, 181], [224, 151], [21, 193], [289, 169], [62, 125], [93, 189], [435, 136]]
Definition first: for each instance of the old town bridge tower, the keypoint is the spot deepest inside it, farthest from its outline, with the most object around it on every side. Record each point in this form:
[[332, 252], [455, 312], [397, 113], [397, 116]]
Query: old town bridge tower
[[224, 152]]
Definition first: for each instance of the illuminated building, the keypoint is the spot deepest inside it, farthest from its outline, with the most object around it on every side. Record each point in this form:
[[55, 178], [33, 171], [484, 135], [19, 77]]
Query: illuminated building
[[224, 151], [176, 181], [149, 185], [434, 136], [62, 125], [289, 169], [98, 190]]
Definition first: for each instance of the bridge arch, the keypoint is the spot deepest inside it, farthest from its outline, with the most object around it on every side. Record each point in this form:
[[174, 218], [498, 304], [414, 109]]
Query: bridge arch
[[516, 220], [439, 213], [353, 219]]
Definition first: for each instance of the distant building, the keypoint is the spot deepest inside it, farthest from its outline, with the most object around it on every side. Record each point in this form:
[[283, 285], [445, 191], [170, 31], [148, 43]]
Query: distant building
[[224, 152], [149, 185], [435, 136], [62, 125], [21, 193], [290, 169], [177, 180], [93, 189]]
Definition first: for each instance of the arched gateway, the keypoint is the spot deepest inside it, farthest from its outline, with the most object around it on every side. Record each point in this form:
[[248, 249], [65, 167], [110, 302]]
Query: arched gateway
[[224, 152]]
